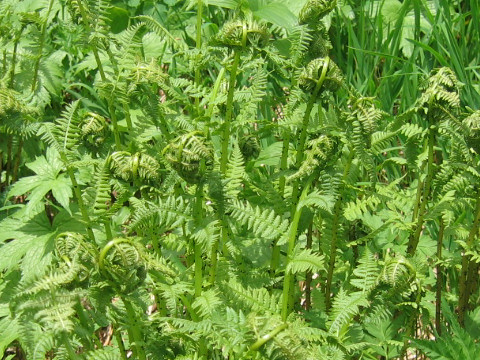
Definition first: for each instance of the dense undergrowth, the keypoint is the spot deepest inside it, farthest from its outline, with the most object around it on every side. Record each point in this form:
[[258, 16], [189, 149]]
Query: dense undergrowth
[[231, 179]]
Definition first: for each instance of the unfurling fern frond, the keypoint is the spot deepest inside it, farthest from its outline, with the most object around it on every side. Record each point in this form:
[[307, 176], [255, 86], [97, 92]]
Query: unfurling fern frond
[[263, 223], [190, 155], [332, 80], [320, 153], [242, 33], [314, 10], [120, 262], [139, 165], [472, 125]]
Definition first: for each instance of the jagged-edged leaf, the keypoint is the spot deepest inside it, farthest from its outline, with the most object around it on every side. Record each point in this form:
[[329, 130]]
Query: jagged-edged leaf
[[305, 260], [263, 223]]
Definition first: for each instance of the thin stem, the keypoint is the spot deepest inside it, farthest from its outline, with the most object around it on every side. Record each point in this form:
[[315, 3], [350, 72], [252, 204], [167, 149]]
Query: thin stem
[[136, 330], [42, 43], [438, 294], [78, 196], [287, 288], [463, 288], [198, 45], [414, 238], [121, 346], [228, 114], [18, 157], [198, 214], [260, 342], [333, 242], [308, 275]]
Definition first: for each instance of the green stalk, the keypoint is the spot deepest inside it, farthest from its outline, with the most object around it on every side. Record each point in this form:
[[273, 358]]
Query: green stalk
[[198, 215], [263, 340], [414, 238], [9, 160], [198, 45], [466, 274], [292, 235], [121, 346], [14, 57], [94, 48], [136, 331], [42, 43], [78, 196], [298, 160], [71, 353], [229, 112], [438, 293], [333, 241], [116, 133], [308, 275], [18, 157]]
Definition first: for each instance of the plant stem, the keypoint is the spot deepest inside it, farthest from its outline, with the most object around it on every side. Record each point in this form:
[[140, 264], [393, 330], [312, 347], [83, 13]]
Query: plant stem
[[308, 275], [414, 238], [121, 346], [268, 337], [18, 157], [438, 294], [333, 242], [466, 274], [198, 214], [78, 195], [228, 114], [198, 45], [292, 235], [42, 43], [136, 330]]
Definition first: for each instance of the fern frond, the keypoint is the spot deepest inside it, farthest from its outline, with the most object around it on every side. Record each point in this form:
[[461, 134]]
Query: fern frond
[[259, 300], [305, 260], [344, 308], [263, 223]]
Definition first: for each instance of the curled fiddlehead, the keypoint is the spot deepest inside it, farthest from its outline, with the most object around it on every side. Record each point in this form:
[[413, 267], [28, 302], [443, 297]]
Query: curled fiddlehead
[[314, 10], [472, 125], [242, 33], [249, 146], [320, 153], [132, 166], [121, 264], [312, 74], [185, 154]]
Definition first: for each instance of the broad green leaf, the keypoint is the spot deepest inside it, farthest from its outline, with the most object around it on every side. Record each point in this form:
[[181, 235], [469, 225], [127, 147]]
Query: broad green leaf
[[277, 14]]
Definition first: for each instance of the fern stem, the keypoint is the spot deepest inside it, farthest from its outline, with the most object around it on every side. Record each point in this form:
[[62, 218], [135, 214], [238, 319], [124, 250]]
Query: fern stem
[[228, 114], [71, 353], [289, 277], [333, 243], [94, 48], [308, 275], [213, 96], [14, 57], [9, 160], [265, 338], [121, 345], [198, 215], [188, 306], [198, 45], [113, 117], [78, 195], [18, 157], [40, 50], [414, 238], [136, 330], [466, 274], [439, 281]]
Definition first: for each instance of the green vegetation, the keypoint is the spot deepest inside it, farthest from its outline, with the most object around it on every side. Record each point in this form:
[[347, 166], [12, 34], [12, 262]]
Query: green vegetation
[[239, 179]]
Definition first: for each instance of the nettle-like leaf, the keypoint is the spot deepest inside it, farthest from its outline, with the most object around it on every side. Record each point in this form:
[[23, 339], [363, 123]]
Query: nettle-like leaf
[[48, 177]]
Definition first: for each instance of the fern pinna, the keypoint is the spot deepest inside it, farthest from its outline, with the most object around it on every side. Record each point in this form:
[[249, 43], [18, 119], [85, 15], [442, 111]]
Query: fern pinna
[[197, 180]]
